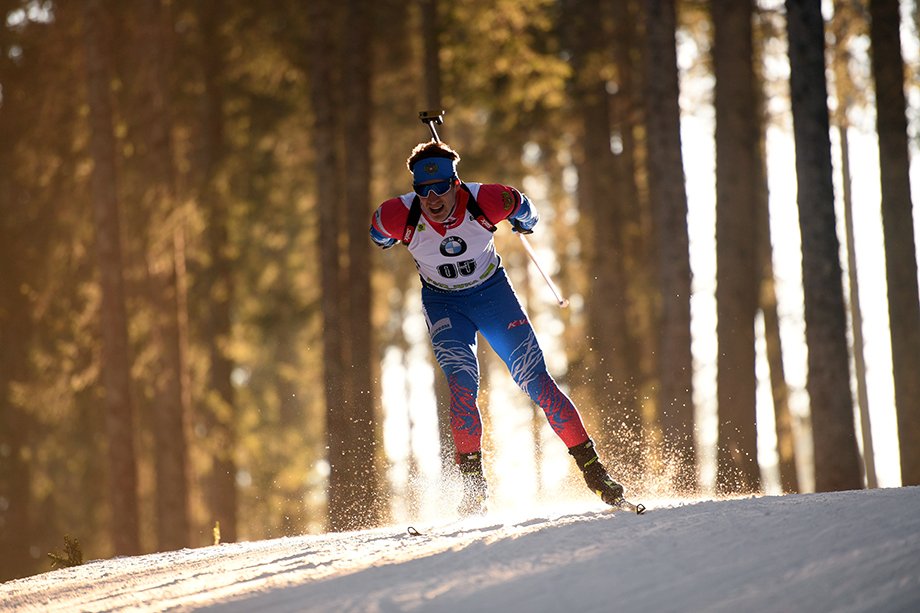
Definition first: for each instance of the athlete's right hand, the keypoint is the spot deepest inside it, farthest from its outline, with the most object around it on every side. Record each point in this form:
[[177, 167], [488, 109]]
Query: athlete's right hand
[[382, 241]]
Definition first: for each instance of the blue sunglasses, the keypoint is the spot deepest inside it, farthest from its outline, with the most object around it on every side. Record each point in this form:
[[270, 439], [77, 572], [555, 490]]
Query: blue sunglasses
[[440, 188]]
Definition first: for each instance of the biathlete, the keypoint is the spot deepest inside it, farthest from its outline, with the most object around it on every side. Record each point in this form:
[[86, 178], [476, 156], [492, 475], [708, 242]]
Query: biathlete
[[447, 226]]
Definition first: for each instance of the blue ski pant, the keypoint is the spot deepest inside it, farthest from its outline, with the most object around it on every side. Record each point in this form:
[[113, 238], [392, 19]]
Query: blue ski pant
[[494, 310]]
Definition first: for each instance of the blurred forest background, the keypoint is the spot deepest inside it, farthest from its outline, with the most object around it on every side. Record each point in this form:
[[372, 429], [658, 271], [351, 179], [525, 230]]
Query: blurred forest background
[[196, 332]]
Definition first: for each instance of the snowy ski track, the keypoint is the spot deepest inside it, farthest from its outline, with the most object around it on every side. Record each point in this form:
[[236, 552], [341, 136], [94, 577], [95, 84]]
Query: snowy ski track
[[844, 551]]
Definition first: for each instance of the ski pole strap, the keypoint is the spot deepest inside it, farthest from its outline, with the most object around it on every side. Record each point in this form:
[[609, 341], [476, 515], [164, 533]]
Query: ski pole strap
[[415, 213]]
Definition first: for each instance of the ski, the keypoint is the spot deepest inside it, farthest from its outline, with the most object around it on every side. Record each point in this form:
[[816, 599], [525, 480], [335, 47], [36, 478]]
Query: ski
[[624, 505]]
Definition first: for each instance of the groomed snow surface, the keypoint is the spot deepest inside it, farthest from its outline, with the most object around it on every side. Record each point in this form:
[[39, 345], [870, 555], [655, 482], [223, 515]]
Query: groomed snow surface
[[845, 551]]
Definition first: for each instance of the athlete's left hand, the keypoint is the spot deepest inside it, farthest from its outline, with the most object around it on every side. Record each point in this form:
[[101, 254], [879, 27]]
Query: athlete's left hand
[[520, 228]]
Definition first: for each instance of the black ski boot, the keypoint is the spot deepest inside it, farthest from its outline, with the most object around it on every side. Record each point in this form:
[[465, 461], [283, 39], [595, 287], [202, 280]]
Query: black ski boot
[[596, 475], [474, 484]]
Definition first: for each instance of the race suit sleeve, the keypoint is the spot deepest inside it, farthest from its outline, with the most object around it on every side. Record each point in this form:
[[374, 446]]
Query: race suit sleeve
[[500, 202], [388, 223]]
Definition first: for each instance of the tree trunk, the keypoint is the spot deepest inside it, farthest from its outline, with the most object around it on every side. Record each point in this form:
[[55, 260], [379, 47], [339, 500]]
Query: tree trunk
[[15, 472], [897, 223], [344, 513], [786, 434], [16, 431], [165, 257], [849, 23], [667, 193], [360, 350], [836, 453], [612, 360], [737, 170], [116, 361], [859, 361], [785, 431], [219, 412], [627, 118]]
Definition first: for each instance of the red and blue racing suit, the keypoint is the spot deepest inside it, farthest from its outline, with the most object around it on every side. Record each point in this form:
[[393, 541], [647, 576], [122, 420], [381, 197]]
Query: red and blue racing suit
[[465, 290]]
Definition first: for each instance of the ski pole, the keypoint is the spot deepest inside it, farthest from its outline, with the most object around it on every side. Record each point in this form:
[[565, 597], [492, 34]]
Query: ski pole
[[563, 302]]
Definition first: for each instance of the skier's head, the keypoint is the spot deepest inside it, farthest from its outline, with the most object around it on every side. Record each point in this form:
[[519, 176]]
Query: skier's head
[[434, 178]]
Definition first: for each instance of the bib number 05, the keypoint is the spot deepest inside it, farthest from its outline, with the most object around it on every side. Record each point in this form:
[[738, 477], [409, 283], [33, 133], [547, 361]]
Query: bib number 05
[[460, 269]]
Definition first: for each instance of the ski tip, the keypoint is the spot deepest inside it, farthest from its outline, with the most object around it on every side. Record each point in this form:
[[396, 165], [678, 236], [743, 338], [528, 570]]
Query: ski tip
[[626, 505]]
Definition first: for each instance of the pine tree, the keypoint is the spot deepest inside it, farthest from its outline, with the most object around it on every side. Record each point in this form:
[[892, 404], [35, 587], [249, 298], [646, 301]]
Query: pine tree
[[897, 223], [836, 453]]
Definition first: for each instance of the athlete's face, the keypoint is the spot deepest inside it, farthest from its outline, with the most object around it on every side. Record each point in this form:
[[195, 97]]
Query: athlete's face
[[437, 206]]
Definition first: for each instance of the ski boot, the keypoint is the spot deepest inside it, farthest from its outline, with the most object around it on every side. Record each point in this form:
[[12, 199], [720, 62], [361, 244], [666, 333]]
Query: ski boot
[[474, 484], [596, 475]]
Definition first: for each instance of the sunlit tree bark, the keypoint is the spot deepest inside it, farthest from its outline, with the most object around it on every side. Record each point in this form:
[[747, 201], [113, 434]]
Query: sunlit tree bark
[[785, 431], [627, 118], [769, 306], [779, 387], [612, 360], [859, 361], [322, 88], [362, 403], [897, 223], [116, 362], [220, 411], [849, 22], [353, 501], [737, 276], [16, 428], [668, 196], [165, 279], [836, 453]]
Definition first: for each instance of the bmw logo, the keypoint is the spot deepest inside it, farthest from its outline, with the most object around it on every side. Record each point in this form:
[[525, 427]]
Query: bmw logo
[[453, 246]]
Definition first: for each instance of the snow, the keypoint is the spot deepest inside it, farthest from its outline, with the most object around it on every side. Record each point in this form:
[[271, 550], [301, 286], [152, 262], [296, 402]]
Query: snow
[[844, 551]]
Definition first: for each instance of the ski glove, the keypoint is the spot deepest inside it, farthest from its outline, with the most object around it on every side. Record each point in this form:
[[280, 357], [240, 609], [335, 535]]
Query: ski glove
[[525, 218], [382, 241], [518, 227]]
